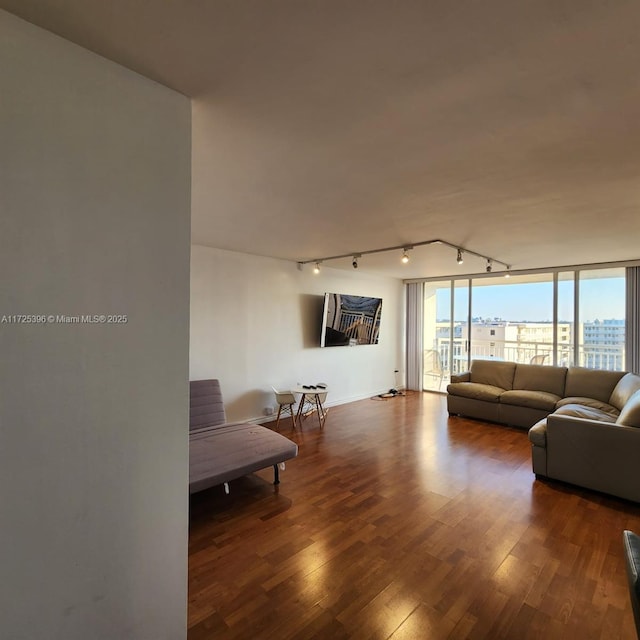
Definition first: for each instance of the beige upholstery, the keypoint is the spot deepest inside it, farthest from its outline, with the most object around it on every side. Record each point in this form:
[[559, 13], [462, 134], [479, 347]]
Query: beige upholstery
[[584, 424], [476, 390], [626, 387], [589, 402], [538, 433], [584, 411], [630, 414], [540, 378], [493, 373], [534, 399], [591, 383], [593, 454]]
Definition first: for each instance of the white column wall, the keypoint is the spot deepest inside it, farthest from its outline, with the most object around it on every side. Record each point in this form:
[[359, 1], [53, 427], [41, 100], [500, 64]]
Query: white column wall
[[256, 322], [94, 219]]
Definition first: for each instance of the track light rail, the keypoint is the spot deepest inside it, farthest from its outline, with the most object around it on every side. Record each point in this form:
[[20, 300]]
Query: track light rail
[[405, 248]]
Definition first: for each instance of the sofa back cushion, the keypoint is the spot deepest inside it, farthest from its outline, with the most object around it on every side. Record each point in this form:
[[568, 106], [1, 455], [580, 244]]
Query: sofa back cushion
[[206, 408], [491, 372], [537, 377], [630, 414], [626, 387], [591, 383]]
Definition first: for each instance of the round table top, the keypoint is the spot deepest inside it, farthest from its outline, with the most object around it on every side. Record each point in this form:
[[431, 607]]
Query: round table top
[[308, 389]]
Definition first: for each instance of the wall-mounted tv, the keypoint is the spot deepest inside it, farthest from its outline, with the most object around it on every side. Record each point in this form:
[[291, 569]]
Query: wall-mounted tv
[[350, 320]]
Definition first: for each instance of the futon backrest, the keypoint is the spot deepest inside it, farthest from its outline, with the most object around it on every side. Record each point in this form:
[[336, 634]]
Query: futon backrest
[[206, 408]]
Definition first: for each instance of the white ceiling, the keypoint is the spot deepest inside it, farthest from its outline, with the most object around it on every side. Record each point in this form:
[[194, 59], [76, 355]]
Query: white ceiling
[[326, 127]]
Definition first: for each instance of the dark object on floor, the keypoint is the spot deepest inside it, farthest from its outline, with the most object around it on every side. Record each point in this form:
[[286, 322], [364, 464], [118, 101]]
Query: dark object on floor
[[632, 557]]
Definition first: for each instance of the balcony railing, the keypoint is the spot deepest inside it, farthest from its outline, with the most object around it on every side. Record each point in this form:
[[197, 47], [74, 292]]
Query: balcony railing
[[439, 362]]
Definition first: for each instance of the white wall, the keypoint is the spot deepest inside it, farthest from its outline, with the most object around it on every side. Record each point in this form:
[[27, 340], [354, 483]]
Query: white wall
[[256, 322], [94, 219]]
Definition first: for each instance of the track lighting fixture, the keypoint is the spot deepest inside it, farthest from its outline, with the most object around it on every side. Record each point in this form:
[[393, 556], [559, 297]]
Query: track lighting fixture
[[405, 255], [508, 273]]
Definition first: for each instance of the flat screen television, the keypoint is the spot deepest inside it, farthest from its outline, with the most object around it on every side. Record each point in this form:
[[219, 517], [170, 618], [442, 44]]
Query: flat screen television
[[350, 320]]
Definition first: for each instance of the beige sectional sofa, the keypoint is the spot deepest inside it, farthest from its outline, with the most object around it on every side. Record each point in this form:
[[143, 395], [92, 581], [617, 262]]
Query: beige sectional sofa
[[584, 424]]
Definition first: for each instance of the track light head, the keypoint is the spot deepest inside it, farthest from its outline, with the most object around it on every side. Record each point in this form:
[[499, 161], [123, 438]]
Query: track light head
[[508, 273], [489, 265], [316, 268], [354, 264], [459, 259], [405, 257]]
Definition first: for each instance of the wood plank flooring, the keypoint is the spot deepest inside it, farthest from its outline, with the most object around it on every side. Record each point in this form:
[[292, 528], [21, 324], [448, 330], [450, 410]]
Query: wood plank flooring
[[396, 521]]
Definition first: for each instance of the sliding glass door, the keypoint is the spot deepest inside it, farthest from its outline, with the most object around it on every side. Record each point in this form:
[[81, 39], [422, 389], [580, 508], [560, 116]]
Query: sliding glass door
[[571, 317], [446, 311]]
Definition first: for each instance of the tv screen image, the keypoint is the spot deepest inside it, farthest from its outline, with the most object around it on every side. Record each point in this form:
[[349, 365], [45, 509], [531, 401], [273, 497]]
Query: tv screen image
[[350, 320]]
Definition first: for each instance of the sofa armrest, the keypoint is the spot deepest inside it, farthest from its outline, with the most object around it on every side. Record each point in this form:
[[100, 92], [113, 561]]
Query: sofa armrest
[[597, 455], [461, 377]]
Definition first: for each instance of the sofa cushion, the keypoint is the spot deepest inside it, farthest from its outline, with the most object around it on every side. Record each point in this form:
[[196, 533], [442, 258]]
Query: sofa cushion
[[583, 411], [475, 391], [537, 377], [493, 373], [538, 433], [630, 414], [591, 383], [589, 402], [533, 399], [626, 387]]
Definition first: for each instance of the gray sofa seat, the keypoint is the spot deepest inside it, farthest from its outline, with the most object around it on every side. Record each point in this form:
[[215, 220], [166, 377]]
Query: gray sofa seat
[[604, 407], [586, 422], [591, 409], [591, 447], [593, 454], [476, 391], [221, 451], [533, 399], [538, 433], [506, 392], [585, 411], [229, 451]]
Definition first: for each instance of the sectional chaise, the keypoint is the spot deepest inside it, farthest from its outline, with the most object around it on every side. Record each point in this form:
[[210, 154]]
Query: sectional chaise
[[584, 424]]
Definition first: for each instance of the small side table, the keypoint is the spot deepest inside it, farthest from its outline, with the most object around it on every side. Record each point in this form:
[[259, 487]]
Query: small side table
[[314, 397]]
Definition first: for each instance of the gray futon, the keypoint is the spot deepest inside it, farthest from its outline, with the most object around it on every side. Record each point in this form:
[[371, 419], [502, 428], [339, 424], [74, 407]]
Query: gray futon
[[220, 451]]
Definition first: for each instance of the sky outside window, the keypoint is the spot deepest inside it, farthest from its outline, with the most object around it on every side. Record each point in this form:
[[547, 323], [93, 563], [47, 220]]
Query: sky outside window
[[601, 298]]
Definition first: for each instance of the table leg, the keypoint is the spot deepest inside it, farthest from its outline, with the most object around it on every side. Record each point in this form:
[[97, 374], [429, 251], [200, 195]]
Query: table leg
[[299, 412], [320, 411]]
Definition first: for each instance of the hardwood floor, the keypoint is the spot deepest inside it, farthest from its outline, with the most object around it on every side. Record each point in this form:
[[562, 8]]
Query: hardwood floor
[[396, 521]]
